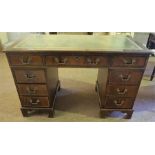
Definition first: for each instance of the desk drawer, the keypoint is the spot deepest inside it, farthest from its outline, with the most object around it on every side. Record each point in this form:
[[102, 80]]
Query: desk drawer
[[30, 76], [97, 61], [32, 89], [128, 61], [77, 60], [125, 76], [122, 91], [34, 101], [118, 103], [65, 60], [25, 60]]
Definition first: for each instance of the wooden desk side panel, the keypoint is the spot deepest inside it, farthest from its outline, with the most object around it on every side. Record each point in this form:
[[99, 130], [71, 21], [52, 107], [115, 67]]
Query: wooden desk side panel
[[102, 83], [52, 82]]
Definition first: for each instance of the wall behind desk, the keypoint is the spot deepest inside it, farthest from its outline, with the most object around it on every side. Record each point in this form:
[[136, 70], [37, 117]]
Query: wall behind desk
[[3, 37]]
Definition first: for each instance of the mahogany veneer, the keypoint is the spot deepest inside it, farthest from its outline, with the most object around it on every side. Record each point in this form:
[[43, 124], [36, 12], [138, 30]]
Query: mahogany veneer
[[34, 62]]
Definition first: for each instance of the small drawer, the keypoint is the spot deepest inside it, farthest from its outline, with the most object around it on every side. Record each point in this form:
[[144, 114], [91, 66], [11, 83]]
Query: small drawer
[[125, 76], [65, 60], [30, 76], [34, 101], [128, 61], [24, 60], [32, 89], [97, 61], [122, 91], [118, 103]]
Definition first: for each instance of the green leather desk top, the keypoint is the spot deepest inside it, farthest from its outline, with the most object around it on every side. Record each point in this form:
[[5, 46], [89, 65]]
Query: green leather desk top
[[82, 43]]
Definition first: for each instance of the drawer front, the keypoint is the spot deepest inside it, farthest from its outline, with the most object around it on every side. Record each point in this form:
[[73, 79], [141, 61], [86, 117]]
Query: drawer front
[[122, 91], [118, 103], [34, 101], [77, 60], [97, 61], [65, 60], [30, 76], [127, 61], [32, 89], [25, 60], [122, 76]]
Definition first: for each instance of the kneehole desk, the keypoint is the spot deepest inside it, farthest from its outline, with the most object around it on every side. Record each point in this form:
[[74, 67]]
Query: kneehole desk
[[34, 62]]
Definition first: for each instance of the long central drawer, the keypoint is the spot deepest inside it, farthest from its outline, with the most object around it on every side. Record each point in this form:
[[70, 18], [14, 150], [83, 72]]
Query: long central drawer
[[77, 60]]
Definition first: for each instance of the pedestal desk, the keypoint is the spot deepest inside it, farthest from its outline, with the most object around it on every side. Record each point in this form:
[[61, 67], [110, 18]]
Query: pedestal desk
[[34, 62]]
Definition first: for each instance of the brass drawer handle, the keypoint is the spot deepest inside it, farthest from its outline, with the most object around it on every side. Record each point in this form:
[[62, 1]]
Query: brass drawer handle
[[119, 103], [60, 61], [63, 61], [125, 77], [34, 101], [97, 61], [56, 59], [30, 76], [31, 90], [93, 62], [121, 92], [77, 58], [129, 61], [89, 60], [25, 60]]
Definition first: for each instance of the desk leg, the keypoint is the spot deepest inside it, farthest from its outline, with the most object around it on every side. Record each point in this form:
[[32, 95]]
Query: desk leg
[[129, 114], [51, 113], [153, 74], [104, 112], [96, 87], [59, 87], [24, 112]]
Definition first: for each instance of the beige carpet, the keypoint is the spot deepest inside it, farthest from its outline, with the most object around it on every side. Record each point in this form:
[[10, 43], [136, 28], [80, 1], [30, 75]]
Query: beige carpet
[[77, 100]]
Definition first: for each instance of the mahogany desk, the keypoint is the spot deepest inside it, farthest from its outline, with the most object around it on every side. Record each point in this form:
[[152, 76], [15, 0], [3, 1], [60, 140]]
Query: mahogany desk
[[34, 62]]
